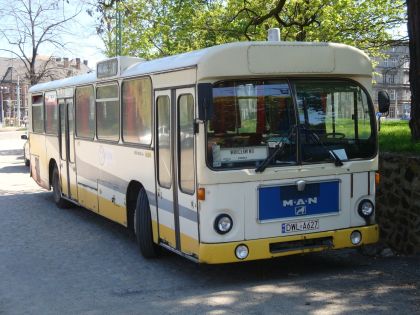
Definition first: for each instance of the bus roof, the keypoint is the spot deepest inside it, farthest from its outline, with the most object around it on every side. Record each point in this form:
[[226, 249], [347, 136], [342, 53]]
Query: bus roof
[[245, 59]]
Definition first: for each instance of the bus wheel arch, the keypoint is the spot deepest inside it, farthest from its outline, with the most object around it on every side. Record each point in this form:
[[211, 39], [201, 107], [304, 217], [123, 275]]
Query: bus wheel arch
[[131, 202], [52, 164], [141, 219], [56, 187]]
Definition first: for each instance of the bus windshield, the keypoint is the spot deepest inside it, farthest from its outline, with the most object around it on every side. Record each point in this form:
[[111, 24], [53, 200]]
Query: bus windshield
[[271, 121]]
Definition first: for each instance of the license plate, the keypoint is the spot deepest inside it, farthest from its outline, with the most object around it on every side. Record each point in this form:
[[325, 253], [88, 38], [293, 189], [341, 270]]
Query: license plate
[[300, 226]]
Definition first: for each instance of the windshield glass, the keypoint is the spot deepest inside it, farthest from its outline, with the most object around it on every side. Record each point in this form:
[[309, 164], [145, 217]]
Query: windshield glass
[[255, 122], [250, 119], [339, 115]]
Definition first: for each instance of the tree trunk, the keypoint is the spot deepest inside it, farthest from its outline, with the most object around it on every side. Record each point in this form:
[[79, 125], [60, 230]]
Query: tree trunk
[[413, 26]]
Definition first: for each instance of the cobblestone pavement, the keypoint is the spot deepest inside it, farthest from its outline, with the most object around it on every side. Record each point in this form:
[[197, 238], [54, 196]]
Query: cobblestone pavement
[[72, 261]]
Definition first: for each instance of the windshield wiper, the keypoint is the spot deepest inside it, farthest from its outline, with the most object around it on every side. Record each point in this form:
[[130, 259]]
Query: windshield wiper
[[335, 157], [280, 146]]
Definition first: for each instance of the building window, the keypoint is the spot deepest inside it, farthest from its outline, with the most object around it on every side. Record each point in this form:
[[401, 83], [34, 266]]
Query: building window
[[391, 112], [137, 111], [392, 94], [85, 112], [107, 112], [391, 78]]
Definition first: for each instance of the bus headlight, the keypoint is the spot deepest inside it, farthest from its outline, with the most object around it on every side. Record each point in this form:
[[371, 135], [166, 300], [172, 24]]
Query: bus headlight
[[356, 237], [223, 223], [241, 251], [366, 208]]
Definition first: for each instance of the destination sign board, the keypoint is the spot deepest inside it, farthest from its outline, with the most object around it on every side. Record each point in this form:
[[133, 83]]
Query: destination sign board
[[107, 68]]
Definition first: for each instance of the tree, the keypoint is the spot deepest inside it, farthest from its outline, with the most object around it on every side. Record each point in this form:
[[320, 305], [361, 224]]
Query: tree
[[162, 27], [28, 25], [413, 27]]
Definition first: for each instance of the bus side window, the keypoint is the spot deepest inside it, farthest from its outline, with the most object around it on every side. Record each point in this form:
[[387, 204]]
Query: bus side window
[[37, 113], [85, 112], [108, 112], [137, 111]]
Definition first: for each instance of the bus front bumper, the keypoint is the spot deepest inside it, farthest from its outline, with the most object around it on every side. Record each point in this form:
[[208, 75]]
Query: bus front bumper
[[287, 245]]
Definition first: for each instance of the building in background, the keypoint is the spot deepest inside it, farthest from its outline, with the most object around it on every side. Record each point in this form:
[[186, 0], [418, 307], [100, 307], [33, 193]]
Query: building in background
[[392, 75], [14, 84]]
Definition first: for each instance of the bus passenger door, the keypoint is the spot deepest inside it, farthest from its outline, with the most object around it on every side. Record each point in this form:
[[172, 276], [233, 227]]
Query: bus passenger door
[[164, 167], [63, 148], [67, 165], [184, 162]]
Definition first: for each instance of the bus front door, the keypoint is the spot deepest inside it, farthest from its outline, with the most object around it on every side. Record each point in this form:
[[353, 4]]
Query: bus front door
[[67, 155], [164, 174], [175, 160]]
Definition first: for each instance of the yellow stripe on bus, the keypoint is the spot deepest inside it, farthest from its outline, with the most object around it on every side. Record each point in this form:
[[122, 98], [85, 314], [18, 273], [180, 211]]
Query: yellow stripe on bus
[[112, 211], [189, 245], [167, 234]]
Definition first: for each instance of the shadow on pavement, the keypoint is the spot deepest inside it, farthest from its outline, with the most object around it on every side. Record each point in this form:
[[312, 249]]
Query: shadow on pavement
[[18, 168], [11, 152]]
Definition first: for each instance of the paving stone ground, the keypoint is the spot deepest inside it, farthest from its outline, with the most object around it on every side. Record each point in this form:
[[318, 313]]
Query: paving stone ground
[[55, 261]]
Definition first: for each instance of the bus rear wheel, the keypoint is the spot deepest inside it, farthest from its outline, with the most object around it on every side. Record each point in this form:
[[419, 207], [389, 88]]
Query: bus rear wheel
[[59, 201], [143, 227]]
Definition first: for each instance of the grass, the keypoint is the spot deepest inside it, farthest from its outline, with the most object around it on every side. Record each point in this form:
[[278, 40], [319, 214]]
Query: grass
[[395, 136]]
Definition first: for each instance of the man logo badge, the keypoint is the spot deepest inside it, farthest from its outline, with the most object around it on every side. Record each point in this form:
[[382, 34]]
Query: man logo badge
[[301, 210]]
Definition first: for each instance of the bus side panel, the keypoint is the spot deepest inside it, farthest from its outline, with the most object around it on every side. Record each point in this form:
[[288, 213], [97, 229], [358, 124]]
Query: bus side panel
[[174, 79], [104, 173], [52, 151], [87, 173], [361, 191], [39, 162]]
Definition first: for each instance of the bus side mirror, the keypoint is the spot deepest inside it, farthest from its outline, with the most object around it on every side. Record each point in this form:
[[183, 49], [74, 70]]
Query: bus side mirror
[[383, 102], [205, 101], [24, 137]]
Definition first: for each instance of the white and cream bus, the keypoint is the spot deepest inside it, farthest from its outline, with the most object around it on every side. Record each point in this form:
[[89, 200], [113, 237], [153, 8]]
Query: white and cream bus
[[237, 152]]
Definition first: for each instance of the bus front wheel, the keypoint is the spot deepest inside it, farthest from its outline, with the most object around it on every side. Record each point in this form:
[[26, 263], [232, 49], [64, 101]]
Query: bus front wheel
[[143, 227], [59, 201]]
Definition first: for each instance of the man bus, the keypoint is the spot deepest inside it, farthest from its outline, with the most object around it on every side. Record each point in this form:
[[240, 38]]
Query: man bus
[[237, 152]]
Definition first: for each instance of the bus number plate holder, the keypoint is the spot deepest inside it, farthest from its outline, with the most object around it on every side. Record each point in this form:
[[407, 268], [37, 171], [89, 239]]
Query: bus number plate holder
[[300, 226]]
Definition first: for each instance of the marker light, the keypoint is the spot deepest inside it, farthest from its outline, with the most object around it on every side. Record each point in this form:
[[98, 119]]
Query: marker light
[[201, 194], [241, 251], [377, 178], [223, 223], [366, 208], [355, 237]]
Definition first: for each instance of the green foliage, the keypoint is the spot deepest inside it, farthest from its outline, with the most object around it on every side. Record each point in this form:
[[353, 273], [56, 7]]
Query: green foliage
[[395, 136], [153, 28]]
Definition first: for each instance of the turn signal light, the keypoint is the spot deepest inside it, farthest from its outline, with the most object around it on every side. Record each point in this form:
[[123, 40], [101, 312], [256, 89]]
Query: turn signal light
[[201, 193], [377, 178]]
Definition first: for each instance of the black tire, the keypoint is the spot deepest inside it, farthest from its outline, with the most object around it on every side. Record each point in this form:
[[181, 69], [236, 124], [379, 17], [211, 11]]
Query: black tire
[[27, 162], [143, 227], [59, 201]]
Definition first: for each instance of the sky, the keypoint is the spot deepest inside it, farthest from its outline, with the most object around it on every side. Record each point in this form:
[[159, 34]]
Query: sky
[[81, 39]]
